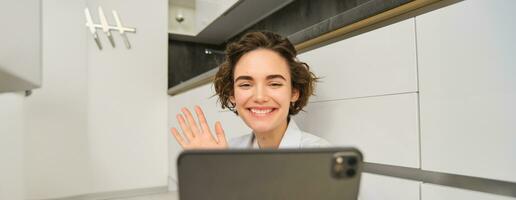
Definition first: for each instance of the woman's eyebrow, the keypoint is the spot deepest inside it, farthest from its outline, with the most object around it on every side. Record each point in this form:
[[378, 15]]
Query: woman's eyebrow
[[273, 76], [243, 78]]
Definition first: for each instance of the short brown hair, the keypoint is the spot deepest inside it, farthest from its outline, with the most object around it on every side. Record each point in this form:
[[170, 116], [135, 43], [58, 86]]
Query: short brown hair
[[302, 79]]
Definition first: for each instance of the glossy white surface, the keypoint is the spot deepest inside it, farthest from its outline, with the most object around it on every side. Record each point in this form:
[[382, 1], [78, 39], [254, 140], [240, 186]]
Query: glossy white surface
[[382, 61], [378, 187], [468, 89], [12, 138], [437, 192], [20, 45], [384, 128]]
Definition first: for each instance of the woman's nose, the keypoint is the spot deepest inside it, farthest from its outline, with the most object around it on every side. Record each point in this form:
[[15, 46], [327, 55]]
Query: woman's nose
[[260, 95]]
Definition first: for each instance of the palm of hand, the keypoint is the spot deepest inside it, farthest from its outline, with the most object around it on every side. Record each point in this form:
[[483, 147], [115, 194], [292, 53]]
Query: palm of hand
[[198, 137]]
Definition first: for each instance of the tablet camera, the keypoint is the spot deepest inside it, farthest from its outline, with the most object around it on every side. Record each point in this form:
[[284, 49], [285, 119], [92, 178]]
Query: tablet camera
[[344, 167]]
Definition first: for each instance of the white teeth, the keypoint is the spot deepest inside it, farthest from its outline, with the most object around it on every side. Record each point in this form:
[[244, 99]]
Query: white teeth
[[261, 111]]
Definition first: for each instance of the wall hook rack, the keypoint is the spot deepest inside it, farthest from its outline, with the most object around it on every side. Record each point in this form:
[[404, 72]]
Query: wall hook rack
[[107, 28]]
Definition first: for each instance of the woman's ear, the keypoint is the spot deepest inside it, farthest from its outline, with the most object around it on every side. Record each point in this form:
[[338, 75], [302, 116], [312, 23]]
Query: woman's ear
[[232, 99], [295, 95]]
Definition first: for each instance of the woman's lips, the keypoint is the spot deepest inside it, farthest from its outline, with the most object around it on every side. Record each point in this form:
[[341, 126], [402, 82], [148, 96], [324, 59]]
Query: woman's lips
[[261, 112]]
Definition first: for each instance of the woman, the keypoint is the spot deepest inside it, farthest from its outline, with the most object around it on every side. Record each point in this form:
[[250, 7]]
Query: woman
[[261, 81]]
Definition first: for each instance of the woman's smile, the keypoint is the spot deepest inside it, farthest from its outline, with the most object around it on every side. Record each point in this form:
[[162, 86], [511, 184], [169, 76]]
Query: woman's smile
[[261, 112]]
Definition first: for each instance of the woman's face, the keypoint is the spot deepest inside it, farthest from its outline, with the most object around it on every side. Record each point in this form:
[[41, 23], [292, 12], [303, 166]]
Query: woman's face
[[263, 90]]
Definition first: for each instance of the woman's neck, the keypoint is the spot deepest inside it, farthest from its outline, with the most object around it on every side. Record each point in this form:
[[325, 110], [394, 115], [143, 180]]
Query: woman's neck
[[271, 139]]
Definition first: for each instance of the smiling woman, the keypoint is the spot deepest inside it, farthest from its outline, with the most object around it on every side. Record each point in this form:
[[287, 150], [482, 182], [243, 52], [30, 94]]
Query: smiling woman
[[261, 81]]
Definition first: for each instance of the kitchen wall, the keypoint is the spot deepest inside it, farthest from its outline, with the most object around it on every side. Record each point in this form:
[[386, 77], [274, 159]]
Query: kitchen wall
[[56, 136], [99, 122], [128, 101]]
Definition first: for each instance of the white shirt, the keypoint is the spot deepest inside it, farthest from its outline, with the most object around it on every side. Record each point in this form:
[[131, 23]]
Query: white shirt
[[293, 138]]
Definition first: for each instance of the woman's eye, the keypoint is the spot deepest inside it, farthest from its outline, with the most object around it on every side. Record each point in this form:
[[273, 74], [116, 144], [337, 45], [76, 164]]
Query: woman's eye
[[244, 85], [276, 84]]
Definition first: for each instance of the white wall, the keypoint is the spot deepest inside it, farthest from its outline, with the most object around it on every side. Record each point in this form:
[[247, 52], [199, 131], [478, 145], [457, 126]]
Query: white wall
[[99, 123], [11, 146], [57, 142], [127, 101]]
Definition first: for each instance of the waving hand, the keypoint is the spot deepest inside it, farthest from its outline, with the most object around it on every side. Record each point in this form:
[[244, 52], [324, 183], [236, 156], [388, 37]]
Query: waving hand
[[198, 136]]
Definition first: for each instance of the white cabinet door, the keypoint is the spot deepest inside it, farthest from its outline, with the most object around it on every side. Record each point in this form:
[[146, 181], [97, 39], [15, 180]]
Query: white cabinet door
[[378, 62], [384, 128], [437, 192], [12, 184], [467, 67], [20, 45], [378, 187]]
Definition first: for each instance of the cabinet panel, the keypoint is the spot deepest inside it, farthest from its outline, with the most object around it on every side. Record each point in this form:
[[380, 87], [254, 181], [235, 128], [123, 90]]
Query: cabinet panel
[[467, 89], [20, 49], [12, 141], [384, 128], [380, 187], [381, 61], [436, 192]]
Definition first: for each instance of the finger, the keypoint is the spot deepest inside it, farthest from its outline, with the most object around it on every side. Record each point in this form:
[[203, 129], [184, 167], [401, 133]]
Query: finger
[[178, 137], [186, 129], [191, 121], [202, 120], [221, 137]]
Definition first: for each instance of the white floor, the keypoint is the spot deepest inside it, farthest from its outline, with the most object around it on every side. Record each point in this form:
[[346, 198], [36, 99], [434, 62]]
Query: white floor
[[163, 196]]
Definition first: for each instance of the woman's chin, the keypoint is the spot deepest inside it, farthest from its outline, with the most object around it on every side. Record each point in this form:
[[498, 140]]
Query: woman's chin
[[260, 127]]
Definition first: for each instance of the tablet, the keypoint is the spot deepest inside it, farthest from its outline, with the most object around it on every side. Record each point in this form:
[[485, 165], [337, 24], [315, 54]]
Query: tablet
[[247, 174]]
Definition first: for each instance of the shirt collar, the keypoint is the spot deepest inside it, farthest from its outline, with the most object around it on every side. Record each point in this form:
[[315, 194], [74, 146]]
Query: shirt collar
[[291, 138]]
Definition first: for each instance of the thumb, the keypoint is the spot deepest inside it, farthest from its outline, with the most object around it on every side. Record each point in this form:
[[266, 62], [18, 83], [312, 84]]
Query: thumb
[[221, 137]]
